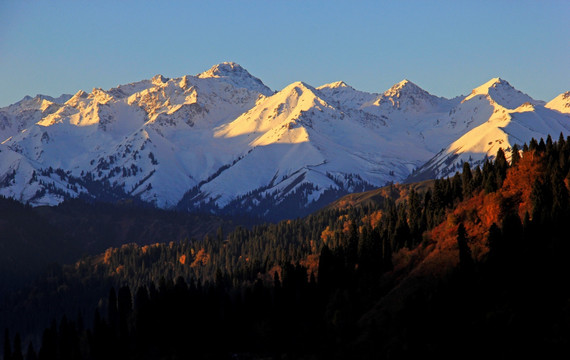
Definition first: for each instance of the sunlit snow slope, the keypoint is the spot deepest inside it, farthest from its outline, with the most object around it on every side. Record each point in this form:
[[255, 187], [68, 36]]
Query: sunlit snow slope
[[222, 141], [500, 116]]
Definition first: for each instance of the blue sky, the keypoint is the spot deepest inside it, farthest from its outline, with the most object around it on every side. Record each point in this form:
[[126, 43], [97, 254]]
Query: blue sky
[[446, 47]]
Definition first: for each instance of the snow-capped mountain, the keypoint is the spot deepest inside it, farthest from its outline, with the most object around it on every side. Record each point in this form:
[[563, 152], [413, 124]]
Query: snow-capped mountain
[[26, 112], [561, 103], [223, 141], [498, 116]]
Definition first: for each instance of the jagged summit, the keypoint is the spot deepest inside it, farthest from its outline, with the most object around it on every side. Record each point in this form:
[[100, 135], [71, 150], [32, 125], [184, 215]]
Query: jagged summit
[[298, 85], [335, 85], [404, 87], [408, 96], [502, 93], [39, 98], [494, 83], [227, 68], [222, 141], [237, 76], [159, 79]]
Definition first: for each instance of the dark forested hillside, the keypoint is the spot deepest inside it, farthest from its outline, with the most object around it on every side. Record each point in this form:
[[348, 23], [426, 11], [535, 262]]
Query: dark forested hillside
[[470, 266], [31, 238], [28, 243]]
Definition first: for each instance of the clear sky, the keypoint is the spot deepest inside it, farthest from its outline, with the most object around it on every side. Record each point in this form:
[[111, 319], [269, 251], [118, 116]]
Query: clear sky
[[446, 47]]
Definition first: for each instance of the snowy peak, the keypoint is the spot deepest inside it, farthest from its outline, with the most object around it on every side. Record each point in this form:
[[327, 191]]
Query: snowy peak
[[26, 112], [222, 141], [38, 102], [39, 99], [502, 93], [560, 103], [77, 98], [237, 76], [159, 80], [493, 83], [298, 88], [297, 97], [495, 115], [404, 87], [275, 115], [224, 69], [345, 96], [407, 96], [335, 85], [100, 96]]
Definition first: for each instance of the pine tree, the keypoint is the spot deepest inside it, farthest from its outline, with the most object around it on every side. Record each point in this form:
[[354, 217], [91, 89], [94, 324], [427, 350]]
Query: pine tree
[[112, 311], [7, 345], [541, 148], [467, 181], [501, 166], [560, 198], [465, 259], [512, 230], [532, 145], [490, 184], [515, 156], [477, 178], [402, 237], [125, 306], [326, 274], [541, 198], [549, 144], [415, 216], [17, 354], [31, 352], [48, 350], [494, 241], [457, 187]]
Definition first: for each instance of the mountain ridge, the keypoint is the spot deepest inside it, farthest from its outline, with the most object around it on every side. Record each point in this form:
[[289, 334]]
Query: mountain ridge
[[223, 138]]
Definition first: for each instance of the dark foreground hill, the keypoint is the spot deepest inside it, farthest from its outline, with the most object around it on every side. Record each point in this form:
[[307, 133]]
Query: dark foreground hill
[[471, 266]]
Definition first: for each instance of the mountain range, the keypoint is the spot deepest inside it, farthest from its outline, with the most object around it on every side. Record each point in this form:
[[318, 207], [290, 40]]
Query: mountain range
[[222, 141]]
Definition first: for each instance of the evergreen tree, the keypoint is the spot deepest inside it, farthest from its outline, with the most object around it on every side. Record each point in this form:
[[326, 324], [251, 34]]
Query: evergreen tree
[[414, 217], [326, 273], [457, 187], [512, 231], [48, 350], [541, 197], [402, 236], [467, 181], [494, 242], [515, 157], [532, 145], [112, 311], [68, 340], [501, 166], [17, 354], [560, 198], [465, 259], [124, 308], [549, 144], [490, 184], [31, 352], [7, 345], [477, 178], [541, 148], [141, 298]]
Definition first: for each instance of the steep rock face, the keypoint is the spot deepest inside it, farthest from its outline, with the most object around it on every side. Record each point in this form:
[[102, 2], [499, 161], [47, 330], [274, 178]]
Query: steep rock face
[[223, 141]]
